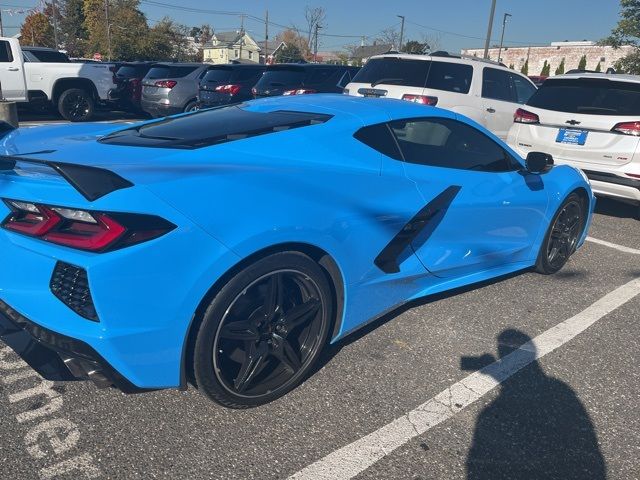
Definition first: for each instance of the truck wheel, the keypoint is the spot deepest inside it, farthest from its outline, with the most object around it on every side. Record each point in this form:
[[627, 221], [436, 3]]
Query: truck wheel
[[76, 105]]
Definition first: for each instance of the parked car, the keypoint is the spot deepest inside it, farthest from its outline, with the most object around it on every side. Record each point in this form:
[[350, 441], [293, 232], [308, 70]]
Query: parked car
[[44, 76], [590, 121], [229, 246], [170, 88], [224, 84], [128, 93], [301, 78], [486, 91]]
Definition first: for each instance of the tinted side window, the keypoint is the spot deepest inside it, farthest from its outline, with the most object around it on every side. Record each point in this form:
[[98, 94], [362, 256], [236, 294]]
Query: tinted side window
[[442, 142], [496, 84], [5, 52], [345, 79], [380, 138], [320, 75], [523, 88], [450, 77]]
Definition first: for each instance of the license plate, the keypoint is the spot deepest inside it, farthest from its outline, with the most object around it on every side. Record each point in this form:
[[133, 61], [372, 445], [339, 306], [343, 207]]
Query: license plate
[[572, 136]]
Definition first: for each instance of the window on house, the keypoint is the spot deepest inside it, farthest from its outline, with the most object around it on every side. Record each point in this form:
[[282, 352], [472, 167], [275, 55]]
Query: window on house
[[250, 55], [236, 53]]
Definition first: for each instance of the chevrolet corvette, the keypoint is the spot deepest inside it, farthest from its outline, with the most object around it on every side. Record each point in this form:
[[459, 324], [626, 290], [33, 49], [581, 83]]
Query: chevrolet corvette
[[226, 247]]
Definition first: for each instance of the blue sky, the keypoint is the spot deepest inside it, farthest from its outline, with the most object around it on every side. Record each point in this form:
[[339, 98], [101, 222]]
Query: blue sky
[[462, 23]]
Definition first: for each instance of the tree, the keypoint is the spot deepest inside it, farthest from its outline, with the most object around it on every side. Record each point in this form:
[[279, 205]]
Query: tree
[[546, 69], [314, 16], [73, 34], [413, 46], [525, 68], [296, 47], [627, 32], [389, 36], [168, 40], [582, 64], [37, 30], [560, 69], [598, 68]]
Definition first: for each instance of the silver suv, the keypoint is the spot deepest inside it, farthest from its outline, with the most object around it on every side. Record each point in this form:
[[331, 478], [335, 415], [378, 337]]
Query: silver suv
[[170, 88]]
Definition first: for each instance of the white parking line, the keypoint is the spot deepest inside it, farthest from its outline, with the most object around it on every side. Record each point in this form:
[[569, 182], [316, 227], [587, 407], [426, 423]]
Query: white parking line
[[350, 460], [622, 248]]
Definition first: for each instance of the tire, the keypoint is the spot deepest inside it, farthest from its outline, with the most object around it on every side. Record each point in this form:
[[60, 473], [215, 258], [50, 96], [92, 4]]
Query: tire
[[563, 234], [76, 105], [263, 331], [192, 106]]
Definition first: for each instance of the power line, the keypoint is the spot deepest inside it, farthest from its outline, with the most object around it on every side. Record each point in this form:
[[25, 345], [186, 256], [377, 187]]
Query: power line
[[447, 32]]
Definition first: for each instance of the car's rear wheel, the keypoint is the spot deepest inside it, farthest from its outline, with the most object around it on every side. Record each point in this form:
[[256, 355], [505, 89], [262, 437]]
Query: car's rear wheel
[[76, 105], [263, 331], [191, 106], [563, 235]]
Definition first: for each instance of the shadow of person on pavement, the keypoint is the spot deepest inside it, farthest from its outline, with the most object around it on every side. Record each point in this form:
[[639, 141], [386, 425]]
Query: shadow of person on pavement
[[536, 428]]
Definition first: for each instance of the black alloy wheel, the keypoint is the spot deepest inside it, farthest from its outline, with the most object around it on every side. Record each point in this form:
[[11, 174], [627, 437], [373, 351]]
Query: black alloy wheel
[[264, 331], [76, 105], [563, 235]]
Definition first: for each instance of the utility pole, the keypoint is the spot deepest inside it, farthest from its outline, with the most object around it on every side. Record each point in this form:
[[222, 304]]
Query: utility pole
[[106, 16], [55, 23], [315, 44], [488, 40], [504, 23], [1, 27], [241, 34], [401, 31], [266, 36]]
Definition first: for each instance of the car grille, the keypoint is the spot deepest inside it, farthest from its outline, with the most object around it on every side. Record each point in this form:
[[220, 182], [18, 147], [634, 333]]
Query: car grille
[[71, 285]]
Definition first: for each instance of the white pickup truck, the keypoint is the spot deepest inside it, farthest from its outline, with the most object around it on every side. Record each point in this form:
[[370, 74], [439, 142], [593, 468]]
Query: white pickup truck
[[38, 75]]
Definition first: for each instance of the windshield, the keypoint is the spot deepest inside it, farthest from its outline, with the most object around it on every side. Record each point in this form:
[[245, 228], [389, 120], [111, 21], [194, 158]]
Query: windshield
[[278, 77], [438, 75], [217, 75], [166, 71], [129, 71], [595, 96]]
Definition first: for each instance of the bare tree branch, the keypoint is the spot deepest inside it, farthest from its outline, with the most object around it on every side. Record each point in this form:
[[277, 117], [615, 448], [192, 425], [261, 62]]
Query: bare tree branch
[[314, 16]]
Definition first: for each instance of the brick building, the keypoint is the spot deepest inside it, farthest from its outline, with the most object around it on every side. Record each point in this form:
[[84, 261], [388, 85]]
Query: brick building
[[572, 52]]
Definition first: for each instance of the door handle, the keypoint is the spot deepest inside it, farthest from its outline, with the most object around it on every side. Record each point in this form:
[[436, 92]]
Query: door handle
[[491, 110], [13, 69]]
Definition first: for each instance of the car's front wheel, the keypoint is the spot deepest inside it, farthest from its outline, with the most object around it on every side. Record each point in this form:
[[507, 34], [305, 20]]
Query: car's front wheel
[[263, 331], [563, 235]]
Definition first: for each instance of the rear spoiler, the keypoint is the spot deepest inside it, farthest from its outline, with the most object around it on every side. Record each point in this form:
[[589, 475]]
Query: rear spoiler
[[91, 182]]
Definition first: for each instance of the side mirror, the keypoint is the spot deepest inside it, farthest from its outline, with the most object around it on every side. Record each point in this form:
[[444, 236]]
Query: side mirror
[[538, 162]]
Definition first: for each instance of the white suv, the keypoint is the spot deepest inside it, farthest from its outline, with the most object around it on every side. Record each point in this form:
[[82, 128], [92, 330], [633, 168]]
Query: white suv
[[485, 91], [590, 121]]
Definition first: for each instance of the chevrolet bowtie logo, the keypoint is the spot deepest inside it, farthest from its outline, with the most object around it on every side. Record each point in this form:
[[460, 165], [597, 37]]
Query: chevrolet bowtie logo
[[573, 122]]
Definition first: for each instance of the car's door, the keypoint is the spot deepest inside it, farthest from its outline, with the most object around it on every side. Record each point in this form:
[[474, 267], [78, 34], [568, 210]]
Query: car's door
[[13, 83], [480, 209], [499, 100]]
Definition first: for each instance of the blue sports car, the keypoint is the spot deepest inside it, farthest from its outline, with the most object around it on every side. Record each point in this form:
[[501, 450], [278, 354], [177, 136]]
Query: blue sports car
[[227, 247]]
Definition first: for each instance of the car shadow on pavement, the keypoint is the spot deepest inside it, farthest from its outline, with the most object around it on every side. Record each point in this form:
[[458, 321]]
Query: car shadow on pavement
[[615, 208], [537, 427]]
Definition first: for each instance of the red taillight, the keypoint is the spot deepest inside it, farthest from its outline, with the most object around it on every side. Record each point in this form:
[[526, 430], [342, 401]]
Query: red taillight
[[627, 128], [524, 116], [299, 91], [421, 99], [83, 229], [166, 83], [31, 219], [230, 89]]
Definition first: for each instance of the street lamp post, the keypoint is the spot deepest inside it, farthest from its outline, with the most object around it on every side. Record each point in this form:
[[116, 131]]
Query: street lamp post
[[486, 43], [401, 31], [504, 23]]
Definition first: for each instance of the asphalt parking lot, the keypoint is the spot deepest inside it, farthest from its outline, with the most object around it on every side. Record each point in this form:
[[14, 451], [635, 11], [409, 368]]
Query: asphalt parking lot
[[566, 404]]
